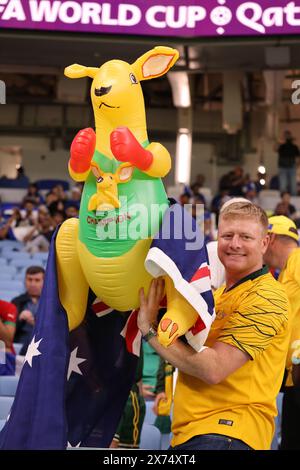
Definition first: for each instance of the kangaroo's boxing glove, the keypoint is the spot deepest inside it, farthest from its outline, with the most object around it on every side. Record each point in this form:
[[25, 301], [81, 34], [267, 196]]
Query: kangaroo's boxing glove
[[126, 148], [82, 150]]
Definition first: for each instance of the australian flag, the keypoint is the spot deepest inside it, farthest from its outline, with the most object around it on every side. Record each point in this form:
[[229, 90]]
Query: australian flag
[[73, 387]]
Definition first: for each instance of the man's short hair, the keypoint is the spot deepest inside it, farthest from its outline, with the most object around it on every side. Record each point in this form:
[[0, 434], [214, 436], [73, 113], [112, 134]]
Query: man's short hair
[[34, 270], [246, 210]]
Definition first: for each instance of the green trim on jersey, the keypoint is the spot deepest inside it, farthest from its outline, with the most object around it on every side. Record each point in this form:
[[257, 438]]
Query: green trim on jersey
[[113, 233], [250, 277]]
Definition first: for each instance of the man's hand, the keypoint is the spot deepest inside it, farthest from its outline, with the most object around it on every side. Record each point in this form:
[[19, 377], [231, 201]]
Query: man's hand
[[149, 306], [159, 396], [27, 316], [146, 391]]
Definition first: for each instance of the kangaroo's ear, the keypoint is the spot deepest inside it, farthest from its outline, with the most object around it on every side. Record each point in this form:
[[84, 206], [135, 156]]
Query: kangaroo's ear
[[155, 62], [124, 172], [80, 71], [96, 170]]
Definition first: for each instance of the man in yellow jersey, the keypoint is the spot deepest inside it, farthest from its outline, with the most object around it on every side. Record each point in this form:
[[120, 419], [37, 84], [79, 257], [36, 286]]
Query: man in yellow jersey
[[225, 395], [284, 253]]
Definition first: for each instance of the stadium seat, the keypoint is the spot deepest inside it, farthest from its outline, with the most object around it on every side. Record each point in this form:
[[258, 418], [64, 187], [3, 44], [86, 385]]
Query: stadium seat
[[8, 295], [17, 255], [12, 284], [10, 270], [165, 441], [23, 263], [150, 416], [5, 406], [42, 256], [150, 437], [4, 276], [8, 385], [18, 347], [268, 199]]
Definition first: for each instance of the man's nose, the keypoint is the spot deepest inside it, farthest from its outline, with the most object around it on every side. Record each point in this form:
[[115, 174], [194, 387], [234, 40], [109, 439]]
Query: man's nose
[[235, 241]]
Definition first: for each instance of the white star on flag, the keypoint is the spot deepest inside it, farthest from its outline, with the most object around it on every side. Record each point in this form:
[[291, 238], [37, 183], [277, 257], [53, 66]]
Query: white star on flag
[[74, 363], [32, 351], [70, 446]]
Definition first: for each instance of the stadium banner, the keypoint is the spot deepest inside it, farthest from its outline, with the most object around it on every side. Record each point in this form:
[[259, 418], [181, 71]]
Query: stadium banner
[[169, 18]]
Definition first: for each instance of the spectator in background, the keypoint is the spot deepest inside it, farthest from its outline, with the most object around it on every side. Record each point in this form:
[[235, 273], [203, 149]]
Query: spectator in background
[[21, 176], [33, 194], [237, 181], [250, 192], [58, 217], [8, 318], [75, 196], [284, 207], [284, 253], [128, 433], [71, 210], [39, 238], [287, 155], [29, 210], [27, 305], [184, 198]]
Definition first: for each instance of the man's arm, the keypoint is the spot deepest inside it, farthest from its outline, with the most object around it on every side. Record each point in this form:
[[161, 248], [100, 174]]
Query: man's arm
[[212, 365]]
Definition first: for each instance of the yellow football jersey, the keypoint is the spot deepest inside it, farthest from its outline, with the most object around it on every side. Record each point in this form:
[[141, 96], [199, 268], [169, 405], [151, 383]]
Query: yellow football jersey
[[252, 316], [290, 279]]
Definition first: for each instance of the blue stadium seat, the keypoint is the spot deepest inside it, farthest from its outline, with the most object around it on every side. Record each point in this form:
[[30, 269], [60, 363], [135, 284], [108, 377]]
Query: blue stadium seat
[[42, 256], [2, 422], [18, 347], [150, 416], [150, 437], [10, 270], [5, 406], [13, 284], [4, 276], [8, 385], [18, 255], [166, 440], [50, 183], [23, 263], [8, 295]]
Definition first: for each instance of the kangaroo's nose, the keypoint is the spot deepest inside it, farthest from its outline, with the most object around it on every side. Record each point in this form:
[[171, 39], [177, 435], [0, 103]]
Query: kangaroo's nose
[[102, 91]]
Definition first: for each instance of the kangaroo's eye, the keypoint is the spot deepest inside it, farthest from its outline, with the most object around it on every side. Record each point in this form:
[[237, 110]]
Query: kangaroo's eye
[[133, 79], [111, 177]]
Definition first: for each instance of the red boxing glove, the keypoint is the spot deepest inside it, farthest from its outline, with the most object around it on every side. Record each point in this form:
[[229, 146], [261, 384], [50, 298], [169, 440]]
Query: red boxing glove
[[126, 148], [82, 150]]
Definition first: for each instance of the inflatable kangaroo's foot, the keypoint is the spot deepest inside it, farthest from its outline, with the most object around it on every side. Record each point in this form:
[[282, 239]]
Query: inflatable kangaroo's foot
[[175, 323], [168, 331], [179, 317]]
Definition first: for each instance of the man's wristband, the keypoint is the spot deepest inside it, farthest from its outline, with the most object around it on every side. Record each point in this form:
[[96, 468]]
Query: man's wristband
[[151, 333]]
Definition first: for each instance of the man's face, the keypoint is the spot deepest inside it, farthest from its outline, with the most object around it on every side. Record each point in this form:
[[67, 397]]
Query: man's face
[[34, 284], [241, 245]]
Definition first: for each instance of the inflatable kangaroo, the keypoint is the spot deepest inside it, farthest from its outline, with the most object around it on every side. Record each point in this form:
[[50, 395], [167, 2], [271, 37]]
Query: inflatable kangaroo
[[119, 151]]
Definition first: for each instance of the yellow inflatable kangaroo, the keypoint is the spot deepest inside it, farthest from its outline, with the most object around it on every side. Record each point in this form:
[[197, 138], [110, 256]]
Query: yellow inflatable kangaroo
[[101, 250]]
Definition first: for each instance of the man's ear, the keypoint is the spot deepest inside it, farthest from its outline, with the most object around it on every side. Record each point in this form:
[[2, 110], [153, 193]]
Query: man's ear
[[272, 238]]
